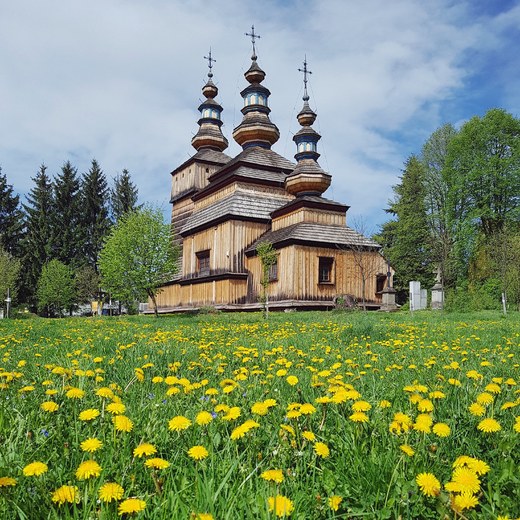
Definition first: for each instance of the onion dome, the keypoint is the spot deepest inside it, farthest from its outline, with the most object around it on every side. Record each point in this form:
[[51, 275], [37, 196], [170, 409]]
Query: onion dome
[[307, 177], [256, 129], [210, 134]]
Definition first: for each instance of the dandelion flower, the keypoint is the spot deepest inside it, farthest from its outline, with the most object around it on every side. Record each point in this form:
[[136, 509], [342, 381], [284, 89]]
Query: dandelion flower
[[203, 516], [273, 475], [489, 425], [232, 414], [7, 481], [464, 501], [334, 502], [259, 409], [198, 452], [91, 445], [75, 393], [309, 436], [441, 429], [49, 406], [292, 380], [66, 494], [35, 469], [307, 409], [359, 417], [425, 405], [385, 404], [516, 426], [116, 408], [88, 469], [477, 409], [485, 398], [203, 418], [157, 463], [428, 484], [89, 414], [407, 449], [110, 491], [321, 449], [464, 480], [179, 423], [280, 505], [131, 505], [144, 449], [105, 392], [122, 423]]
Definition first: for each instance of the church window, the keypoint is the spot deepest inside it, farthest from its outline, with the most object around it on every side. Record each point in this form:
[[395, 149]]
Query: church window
[[273, 272], [203, 262], [325, 266]]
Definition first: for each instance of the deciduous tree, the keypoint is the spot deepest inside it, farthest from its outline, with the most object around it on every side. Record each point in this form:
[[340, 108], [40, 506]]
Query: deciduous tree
[[138, 256], [55, 291]]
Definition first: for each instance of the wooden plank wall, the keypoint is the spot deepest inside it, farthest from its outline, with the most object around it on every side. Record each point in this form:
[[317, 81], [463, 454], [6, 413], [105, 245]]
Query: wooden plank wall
[[309, 215]]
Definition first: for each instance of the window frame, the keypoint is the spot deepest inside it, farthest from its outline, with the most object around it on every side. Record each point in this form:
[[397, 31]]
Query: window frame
[[203, 261], [326, 265]]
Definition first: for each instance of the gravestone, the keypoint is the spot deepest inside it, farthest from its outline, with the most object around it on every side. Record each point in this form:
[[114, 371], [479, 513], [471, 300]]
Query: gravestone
[[424, 298], [415, 296], [438, 293]]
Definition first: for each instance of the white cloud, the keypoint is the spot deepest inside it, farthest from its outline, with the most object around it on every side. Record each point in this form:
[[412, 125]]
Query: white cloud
[[120, 81]]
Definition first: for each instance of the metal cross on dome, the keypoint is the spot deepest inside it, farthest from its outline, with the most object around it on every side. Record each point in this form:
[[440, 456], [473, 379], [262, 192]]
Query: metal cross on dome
[[210, 62], [305, 71], [253, 38]]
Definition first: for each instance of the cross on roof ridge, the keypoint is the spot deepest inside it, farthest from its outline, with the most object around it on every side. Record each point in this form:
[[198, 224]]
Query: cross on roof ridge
[[210, 62], [253, 37]]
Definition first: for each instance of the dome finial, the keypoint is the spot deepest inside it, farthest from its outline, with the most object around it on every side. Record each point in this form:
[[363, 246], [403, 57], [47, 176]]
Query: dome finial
[[305, 71], [210, 63], [253, 38]]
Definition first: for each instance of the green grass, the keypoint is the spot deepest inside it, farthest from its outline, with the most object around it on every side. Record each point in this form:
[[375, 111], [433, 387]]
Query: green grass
[[376, 354]]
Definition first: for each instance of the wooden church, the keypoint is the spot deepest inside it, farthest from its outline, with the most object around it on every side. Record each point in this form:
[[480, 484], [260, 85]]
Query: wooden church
[[223, 207]]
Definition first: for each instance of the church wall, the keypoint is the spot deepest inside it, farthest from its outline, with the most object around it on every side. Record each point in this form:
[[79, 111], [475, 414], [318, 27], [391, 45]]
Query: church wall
[[309, 215]]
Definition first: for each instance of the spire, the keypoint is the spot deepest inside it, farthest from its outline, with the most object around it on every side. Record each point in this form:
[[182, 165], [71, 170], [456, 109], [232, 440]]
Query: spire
[[307, 178], [256, 129], [210, 133]]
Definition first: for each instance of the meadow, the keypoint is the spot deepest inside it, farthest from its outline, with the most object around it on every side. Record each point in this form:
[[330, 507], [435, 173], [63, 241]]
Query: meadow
[[304, 416]]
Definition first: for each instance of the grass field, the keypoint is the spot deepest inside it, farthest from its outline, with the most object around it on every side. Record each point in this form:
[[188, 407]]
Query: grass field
[[306, 416]]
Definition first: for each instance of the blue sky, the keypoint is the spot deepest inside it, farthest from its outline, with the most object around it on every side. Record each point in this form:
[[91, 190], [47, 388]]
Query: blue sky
[[120, 80]]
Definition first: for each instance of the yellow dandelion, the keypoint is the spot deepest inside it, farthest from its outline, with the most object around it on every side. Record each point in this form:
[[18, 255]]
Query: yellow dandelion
[[66, 494], [309, 436], [7, 481], [385, 404], [89, 414], [359, 417], [105, 392], [110, 491], [116, 408], [361, 406], [407, 449], [203, 516], [292, 380], [280, 505], [477, 409], [259, 409], [179, 423], [428, 484], [75, 393], [307, 409], [49, 406], [131, 505], [122, 423], [145, 449], [232, 414], [88, 469], [91, 445], [198, 452], [273, 475], [157, 463], [441, 429], [203, 418], [425, 405], [35, 469], [334, 502], [489, 425], [464, 501], [485, 398], [321, 449]]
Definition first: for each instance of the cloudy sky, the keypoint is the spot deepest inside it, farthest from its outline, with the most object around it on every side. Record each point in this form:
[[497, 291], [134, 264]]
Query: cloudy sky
[[120, 80]]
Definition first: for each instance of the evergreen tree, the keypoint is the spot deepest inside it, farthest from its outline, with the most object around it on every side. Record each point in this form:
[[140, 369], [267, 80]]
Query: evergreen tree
[[95, 223], [37, 243], [68, 240], [11, 218], [406, 239], [124, 196]]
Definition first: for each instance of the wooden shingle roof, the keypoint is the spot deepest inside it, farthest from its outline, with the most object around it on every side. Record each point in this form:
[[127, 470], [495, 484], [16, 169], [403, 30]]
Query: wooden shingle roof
[[238, 205], [205, 155], [316, 235]]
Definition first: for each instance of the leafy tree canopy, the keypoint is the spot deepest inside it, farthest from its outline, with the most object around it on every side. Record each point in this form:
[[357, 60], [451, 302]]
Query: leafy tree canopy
[[55, 291]]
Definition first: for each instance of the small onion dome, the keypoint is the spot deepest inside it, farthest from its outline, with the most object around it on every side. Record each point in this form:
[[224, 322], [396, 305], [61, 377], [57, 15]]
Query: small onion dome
[[306, 116], [307, 178], [306, 144], [210, 134], [254, 74], [256, 129]]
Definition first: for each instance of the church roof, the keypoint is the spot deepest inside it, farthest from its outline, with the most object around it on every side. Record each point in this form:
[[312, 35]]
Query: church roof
[[204, 155], [321, 235], [239, 204], [310, 201]]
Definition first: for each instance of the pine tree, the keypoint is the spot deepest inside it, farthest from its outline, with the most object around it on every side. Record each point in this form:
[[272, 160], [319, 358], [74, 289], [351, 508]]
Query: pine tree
[[37, 244], [124, 196], [406, 239], [11, 221], [66, 220], [95, 223]]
